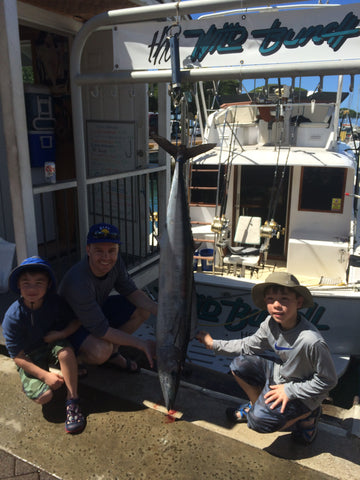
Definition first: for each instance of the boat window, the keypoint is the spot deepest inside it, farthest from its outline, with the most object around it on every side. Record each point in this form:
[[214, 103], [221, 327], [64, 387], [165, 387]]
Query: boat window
[[322, 189]]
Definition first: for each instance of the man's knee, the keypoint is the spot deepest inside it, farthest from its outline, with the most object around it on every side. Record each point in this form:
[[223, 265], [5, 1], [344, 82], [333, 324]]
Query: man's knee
[[141, 314], [96, 351]]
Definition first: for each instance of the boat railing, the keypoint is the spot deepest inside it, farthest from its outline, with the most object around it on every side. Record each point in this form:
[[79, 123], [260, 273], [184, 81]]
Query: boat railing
[[291, 124]]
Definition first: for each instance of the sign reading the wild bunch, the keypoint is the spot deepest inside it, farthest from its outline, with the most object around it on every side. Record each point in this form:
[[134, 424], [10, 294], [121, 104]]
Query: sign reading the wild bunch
[[321, 34]]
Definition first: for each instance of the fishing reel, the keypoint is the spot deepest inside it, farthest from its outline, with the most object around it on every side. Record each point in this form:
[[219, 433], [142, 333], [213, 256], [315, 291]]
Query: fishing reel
[[220, 225], [271, 230]]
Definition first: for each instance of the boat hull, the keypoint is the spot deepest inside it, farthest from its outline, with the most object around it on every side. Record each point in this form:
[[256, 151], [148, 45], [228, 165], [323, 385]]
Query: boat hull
[[226, 311]]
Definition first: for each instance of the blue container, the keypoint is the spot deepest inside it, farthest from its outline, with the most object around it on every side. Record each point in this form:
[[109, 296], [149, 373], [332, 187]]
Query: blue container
[[207, 264], [39, 108], [195, 264], [41, 148]]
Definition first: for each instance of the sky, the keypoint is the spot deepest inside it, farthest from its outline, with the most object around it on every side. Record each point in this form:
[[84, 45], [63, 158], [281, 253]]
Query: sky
[[330, 82]]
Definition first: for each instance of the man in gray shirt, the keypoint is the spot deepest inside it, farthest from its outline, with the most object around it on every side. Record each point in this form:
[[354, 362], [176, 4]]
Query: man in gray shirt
[[287, 392], [108, 321]]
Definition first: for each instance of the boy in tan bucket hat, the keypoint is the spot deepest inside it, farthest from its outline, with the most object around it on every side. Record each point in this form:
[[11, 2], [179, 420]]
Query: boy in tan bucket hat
[[285, 392]]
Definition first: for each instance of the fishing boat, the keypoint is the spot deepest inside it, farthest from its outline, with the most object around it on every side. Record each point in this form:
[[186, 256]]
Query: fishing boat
[[279, 191]]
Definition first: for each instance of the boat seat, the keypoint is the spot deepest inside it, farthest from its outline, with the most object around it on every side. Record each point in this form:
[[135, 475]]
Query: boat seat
[[243, 250], [249, 252]]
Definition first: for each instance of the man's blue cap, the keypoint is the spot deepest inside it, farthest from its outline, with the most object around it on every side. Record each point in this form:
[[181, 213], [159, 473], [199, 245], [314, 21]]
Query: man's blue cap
[[103, 232], [31, 263]]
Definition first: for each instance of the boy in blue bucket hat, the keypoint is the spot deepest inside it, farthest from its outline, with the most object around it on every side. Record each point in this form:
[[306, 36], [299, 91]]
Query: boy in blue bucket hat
[[35, 328]]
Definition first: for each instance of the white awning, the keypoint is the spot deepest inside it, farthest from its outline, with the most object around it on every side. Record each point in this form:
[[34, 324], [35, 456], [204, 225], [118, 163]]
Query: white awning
[[268, 156]]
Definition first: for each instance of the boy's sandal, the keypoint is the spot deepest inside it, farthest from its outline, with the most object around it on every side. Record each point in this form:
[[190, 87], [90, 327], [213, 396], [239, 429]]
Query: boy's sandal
[[306, 435], [75, 421], [129, 364], [238, 415]]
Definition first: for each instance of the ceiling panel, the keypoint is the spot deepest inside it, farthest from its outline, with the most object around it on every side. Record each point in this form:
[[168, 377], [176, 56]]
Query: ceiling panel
[[81, 10]]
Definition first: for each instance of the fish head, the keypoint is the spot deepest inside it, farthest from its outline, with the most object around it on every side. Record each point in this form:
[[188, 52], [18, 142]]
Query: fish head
[[170, 362]]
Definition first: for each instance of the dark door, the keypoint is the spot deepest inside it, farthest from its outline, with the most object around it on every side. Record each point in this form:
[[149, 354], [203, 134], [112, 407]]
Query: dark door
[[264, 193]]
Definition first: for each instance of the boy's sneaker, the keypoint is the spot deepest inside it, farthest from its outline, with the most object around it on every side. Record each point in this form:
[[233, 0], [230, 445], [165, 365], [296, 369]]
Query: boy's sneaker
[[75, 420]]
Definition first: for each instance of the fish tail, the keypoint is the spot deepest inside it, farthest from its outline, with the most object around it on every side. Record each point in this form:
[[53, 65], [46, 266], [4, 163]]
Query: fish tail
[[182, 153]]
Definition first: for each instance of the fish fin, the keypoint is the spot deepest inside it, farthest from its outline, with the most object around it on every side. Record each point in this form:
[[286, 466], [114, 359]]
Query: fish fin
[[186, 152], [166, 145], [198, 150]]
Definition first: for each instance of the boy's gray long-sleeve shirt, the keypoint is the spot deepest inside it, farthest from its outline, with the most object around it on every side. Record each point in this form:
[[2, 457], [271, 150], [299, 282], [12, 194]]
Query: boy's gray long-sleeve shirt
[[307, 367]]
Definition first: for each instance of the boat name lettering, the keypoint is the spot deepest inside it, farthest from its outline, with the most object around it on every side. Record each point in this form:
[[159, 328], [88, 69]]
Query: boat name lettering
[[160, 47], [228, 39], [237, 314], [334, 34], [232, 37]]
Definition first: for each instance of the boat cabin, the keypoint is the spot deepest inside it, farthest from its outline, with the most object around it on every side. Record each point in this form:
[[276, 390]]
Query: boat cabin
[[280, 163]]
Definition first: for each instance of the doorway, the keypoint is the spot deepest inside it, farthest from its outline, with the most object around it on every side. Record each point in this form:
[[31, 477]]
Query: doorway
[[264, 193]]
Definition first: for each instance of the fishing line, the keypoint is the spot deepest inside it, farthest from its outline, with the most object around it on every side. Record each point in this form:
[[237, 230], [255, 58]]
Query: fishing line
[[226, 175], [280, 184], [273, 186], [219, 165], [275, 196]]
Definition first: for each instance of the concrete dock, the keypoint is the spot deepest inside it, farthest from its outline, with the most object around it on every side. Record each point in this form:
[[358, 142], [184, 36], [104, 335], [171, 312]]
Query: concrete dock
[[128, 436]]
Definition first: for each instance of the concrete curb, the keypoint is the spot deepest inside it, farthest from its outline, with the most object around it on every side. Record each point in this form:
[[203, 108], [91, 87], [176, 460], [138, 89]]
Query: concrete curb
[[134, 421]]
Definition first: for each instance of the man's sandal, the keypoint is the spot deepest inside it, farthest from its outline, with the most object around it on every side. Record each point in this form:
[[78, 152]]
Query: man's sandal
[[238, 415], [75, 421], [306, 435], [129, 364]]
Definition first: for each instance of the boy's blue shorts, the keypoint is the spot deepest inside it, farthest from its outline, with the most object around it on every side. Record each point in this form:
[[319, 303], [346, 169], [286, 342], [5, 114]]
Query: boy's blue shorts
[[117, 309], [258, 372]]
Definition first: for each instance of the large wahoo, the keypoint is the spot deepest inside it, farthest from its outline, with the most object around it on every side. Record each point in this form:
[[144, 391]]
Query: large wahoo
[[176, 319]]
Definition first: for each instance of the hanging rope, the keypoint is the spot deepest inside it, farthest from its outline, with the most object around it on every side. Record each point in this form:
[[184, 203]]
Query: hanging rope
[[175, 85], [173, 38]]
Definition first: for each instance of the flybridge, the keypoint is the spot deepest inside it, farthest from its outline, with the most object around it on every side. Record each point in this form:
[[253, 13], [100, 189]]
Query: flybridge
[[272, 40]]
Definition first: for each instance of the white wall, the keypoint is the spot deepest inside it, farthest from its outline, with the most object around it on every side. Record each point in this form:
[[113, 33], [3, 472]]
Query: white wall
[[320, 225], [117, 103], [319, 241]]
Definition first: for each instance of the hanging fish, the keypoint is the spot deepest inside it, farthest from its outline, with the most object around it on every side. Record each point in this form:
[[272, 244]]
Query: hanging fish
[[176, 319]]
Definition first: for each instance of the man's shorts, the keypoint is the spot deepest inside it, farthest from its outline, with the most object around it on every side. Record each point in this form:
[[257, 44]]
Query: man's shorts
[[42, 357], [258, 372], [111, 308]]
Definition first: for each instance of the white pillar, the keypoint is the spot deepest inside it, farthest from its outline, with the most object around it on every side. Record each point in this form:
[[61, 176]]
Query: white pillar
[[15, 132]]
